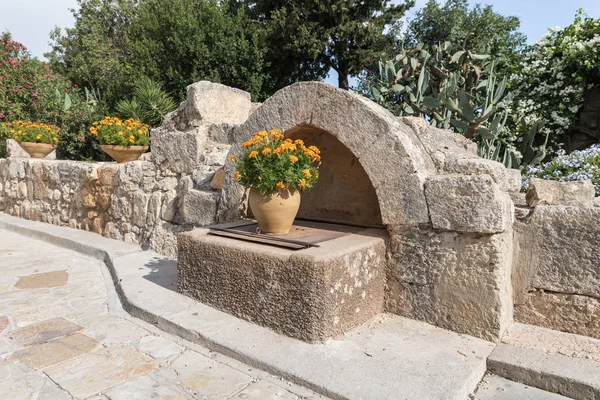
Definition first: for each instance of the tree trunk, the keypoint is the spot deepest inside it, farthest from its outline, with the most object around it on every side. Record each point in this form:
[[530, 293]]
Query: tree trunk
[[343, 79]]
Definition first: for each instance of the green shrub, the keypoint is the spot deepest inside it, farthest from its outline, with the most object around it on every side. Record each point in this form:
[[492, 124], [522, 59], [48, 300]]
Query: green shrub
[[150, 103], [31, 91]]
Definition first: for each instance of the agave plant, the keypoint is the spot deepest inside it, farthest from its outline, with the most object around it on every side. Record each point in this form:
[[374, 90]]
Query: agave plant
[[149, 104], [453, 88]]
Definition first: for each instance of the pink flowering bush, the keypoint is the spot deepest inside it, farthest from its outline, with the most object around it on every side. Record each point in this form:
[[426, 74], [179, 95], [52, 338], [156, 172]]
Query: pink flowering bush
[[31, 91]]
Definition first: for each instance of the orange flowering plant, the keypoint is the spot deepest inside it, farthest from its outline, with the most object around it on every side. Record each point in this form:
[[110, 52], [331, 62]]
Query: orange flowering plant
[[268, 163], [33, 132], [116, 132]]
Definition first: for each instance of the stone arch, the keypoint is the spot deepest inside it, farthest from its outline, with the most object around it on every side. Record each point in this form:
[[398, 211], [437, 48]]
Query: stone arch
[[388, 151]]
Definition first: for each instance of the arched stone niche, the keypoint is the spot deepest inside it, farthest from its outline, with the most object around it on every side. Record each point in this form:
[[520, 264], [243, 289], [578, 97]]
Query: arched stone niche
[[344, 193], [366, 136]]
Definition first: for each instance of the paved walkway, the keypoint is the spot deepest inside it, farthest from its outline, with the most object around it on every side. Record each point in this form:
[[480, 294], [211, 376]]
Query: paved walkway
[[64, 335]]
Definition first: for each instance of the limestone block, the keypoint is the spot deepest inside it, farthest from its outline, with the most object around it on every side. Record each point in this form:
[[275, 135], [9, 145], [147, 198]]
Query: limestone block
[[312, 294], [199, 208], [140, 208], [514, 179], [479, 166], [16, 169], [403, 201], [216, 156], [452, 280], [597, 201], [543, 191], [562, 312], [179, 152], [164, 238], [154, 208], [211, 103], [564, 249], [218, 180], [221, 133], [169, 206], [468, 204]]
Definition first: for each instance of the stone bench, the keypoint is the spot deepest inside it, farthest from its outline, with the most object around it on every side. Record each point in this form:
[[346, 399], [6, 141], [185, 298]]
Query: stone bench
[[312, 294]]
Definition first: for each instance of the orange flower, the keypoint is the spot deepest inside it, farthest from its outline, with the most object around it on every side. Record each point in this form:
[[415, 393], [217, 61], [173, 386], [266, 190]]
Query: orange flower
[[302, 183], [314, 149], [266, 151], [253, 154], [249, 143], [299, 142], [236, 175], [274, 132], [307, 173], [280, 185], [231, 158], [293, 159]]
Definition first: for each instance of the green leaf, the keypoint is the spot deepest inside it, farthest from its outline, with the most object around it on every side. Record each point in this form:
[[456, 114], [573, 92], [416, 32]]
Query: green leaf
[[485, 133], [457, 56], [408, 109], [500, 91], [67, 103], [376, 94], [414, 63], [431, 102], [480, 56], [465, 106], [460, 125], [398, 88]]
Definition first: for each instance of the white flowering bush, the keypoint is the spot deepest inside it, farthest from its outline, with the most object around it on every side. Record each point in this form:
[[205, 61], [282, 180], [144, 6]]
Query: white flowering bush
[[549, 83], [576, 166]]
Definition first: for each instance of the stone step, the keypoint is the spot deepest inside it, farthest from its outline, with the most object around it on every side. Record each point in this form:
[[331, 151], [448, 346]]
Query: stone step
[[493, 387], [558, 362]]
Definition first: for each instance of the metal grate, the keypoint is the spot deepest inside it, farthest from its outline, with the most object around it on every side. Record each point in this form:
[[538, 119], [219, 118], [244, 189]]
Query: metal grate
[[257, 237]]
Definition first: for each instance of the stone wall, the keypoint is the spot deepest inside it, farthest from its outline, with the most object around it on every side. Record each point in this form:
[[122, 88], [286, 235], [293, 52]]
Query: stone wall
[[557, 262], [145, 202], [456, 257]]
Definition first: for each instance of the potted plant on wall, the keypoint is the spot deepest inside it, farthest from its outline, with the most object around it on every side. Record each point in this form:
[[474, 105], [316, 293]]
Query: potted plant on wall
[[37, 139], [124, 141], [276, 170]]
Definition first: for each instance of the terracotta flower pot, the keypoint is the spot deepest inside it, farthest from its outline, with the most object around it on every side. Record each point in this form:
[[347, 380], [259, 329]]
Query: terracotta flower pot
[[37, 150], [123, 154], [275, 213]]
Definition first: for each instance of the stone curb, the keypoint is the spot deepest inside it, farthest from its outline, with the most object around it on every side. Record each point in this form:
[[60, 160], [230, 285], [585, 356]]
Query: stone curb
[[389, 358], [572, 377]]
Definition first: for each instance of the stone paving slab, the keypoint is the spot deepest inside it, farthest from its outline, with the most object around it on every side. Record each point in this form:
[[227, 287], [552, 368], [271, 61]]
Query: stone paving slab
[[493, 387], [389, 357], [74, 341], [568, 376]]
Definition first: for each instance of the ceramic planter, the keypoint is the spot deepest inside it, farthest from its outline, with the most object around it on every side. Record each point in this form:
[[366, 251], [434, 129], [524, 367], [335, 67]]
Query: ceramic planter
[[124, 154], [37, 150], [275, 213]]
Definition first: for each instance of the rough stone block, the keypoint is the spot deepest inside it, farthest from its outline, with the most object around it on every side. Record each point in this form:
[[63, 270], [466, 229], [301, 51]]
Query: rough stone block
[[478, 166], [468, 204], [562, 312], [212, 103], [541, 191], [456, 281], [177, 151], [312, 294], [561, 245], [514, 180], [199, 208]]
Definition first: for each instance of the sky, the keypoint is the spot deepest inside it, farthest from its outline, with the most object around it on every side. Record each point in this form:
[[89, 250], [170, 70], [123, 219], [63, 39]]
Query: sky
[[30, 21]]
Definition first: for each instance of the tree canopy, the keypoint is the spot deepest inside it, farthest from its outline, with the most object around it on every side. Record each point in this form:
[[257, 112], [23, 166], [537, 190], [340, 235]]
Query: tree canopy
[[307, 38], [478, 28]]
